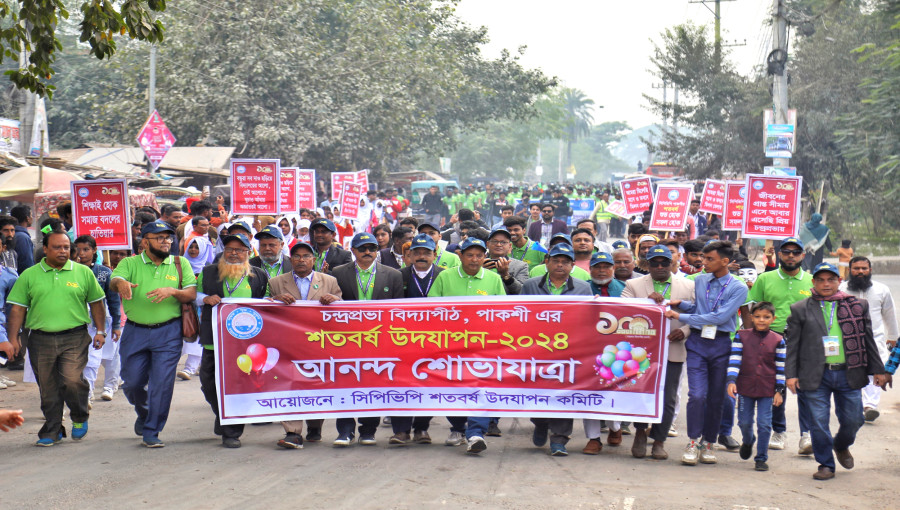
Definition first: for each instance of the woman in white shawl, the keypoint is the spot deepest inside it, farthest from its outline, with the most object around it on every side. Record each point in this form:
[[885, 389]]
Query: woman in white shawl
[[200, 253], [287, 224]]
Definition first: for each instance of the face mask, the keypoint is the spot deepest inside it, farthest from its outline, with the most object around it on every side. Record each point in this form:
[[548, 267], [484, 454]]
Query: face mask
[[748, 274]]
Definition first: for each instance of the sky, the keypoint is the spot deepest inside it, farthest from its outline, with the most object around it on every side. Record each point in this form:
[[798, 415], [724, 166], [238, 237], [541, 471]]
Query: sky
[[603, 47]]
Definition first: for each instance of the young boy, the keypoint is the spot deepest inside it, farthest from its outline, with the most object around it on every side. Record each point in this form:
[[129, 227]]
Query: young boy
[[844, 254], [756, 373]]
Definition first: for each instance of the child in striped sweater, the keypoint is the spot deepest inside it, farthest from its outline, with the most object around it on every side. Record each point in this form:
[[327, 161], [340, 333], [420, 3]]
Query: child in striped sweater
[[756, 373]]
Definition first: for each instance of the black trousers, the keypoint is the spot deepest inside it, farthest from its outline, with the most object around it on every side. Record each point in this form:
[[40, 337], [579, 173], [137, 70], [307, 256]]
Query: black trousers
[[208, 386], [406, 423], [367, 426], [660, 431]]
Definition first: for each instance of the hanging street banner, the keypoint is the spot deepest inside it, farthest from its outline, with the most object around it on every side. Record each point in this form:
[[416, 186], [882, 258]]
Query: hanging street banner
[[673, 202], [351, 194], [734, 205], [155, 139], [617, 208], [100, 210], [713, 198], [637, 195], [772, 206], [306, 189], [255, 186], [580, 209], [288, 192], [443, 357], [10, 140], [779, 170], [339, 178], [779, 140]]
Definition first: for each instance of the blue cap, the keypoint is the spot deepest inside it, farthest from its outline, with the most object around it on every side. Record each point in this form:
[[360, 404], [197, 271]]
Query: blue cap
[[270, 231], [362, 239], [658, 251], [423, 241], [155, 227], [301, 244], [240, 224], [323, 222], [236, 237], [562, 249], [427, 224], [565, 237], [620, 244], [499, 230], [825, 266], [792, 240], [601, 257], [470, 242]]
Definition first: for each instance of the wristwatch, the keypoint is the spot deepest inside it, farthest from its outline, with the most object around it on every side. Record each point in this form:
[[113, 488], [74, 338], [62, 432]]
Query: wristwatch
[[101, 332]]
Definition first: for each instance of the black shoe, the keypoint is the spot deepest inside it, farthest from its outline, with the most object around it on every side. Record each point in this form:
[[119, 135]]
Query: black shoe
[[217, 428], [746, 451], [761, 466], [539, 436], [493, 430], [139, 427], [728, 442], [314, 435], [231, 442], [16, 365], [291, 441]]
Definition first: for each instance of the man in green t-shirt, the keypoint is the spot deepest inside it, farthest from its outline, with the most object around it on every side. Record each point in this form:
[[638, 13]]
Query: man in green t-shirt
[[152, 285], [442, 258], [57, 293]]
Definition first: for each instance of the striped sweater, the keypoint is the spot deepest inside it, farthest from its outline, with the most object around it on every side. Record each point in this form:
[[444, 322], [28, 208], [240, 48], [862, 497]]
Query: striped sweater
[[756, 364]]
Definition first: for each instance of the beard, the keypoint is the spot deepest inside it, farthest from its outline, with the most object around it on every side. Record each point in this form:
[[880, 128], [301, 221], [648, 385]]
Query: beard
[[156, 252], [790, 267], [232, 270], [270, 260], [601, 281], [9, 243], [861, 282]]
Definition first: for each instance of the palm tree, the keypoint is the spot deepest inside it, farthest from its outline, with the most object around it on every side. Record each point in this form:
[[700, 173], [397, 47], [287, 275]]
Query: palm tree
[[577, 122]]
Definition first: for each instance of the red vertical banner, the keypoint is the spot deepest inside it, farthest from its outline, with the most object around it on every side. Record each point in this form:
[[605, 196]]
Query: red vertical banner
[[362, 178], [351, 194], [713, 199], [339, 178], [306, 189], [772, 206], [671, 207], [734, 205], [288, 191], [100, 210], [255, 186], [637, 194]]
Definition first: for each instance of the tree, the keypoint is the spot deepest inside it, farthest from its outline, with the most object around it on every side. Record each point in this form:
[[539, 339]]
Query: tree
[[577, 121]]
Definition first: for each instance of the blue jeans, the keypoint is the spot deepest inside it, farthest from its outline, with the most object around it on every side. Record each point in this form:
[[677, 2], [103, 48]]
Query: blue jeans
[[815, 409], [707, 364], [763, 407], [474, 425], [727, 422]]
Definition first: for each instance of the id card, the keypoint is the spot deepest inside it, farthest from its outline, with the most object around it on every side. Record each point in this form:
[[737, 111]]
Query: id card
[[708, 332], [832, 347]]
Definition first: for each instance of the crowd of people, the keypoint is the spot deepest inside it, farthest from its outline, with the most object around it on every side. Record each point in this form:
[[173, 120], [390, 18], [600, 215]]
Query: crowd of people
[[742, 337]]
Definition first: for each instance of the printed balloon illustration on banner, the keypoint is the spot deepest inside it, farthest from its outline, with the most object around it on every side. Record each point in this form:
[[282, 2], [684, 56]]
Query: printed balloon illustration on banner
[[258, 360], [621, 364]]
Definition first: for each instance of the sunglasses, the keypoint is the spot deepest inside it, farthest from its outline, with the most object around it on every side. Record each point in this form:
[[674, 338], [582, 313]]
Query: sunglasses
[[660, 263], [791, 252], [367, 247]]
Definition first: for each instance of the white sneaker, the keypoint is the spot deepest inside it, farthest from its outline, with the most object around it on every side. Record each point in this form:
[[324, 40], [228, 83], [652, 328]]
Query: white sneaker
[[476, 445], [7, 381], [184, 375], [107, 394], [805, 444], [673, 432], [777, 441], [2, 385], [691, 453], [455, 439], [706, 453]]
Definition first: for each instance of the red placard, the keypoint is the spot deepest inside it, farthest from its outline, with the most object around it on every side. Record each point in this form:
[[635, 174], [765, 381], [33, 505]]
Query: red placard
[[772, 206], [456, 356], [100, 209], [255, 186], [713, 199], [670, 210], [637, 195], [734, 205], [306, 189], [155, 139], [351, 194], [288, 191], [617, 208]]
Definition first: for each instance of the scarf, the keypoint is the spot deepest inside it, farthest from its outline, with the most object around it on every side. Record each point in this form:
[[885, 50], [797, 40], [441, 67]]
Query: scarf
[[289, 237], [206, 256], [853, 326]]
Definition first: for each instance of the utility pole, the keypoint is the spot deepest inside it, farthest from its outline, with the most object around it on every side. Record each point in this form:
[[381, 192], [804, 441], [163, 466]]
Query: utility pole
[[675, 110], [664, 87], [152, 93], [717, 12], [780, 84]]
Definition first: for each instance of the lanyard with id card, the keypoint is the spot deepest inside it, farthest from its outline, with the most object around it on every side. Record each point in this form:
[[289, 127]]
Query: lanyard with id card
[[831, 343], [709, 330]]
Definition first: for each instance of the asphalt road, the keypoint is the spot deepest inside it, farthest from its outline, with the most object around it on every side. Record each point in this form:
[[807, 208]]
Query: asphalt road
[[109, 469]]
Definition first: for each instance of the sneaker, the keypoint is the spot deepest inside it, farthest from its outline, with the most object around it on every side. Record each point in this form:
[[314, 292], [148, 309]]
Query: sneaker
[[777, 441], [805, 445], [455, 438], [3, 385], [761, 466], [153, 442], [400, 438], [107, 394], [673, 432], [367, 440], [184, 375], [870, 413], [706, 453], [421, 437], [558, 450], [493, 430], [79, 430], [746, 451], [7, 381], [691, 453], [342, 441], [728, 442], [539, 436], [139, 427], [593, 447], [46, 441], [476, 445], [604, 428], [291, 441], [314, 435], [90, 402], [386, 421], [625, 430], [231, 442]]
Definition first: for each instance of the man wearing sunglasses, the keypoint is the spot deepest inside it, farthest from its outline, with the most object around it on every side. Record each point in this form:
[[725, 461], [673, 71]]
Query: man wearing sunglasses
[[783, 287]]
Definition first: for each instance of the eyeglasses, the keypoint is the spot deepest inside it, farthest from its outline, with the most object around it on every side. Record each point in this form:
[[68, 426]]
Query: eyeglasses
[[161, 240], [498, 242], [297, 258], [236, 250], [659, 263], [367, 247], [791, 252]]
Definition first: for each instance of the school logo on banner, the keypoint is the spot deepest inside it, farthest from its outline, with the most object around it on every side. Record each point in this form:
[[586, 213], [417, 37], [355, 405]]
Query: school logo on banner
[[244, 323]]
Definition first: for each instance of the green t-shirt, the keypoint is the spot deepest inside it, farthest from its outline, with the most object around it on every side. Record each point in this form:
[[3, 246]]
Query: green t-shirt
[[782, 291], [272, 271], [835, 330], [576, 273], [56, 299], [528, 254], [148, 276], [664, 288], [455, 282], [446, 259], [228, 287], [365, 282], [554, 290]]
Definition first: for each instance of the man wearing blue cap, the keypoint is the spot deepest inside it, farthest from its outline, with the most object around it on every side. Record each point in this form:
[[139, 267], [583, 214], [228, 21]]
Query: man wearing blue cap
[[661, 285], [514, 273], [442, 258], [783, 287], [271, 258], [541, 270], [468, 279], [303, 284], [603, 282], [329, 254], [364, 280], [831, 351], [232, 276], [152, 286]]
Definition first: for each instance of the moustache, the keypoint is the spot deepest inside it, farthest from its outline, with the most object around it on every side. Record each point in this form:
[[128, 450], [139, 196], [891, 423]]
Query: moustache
[[423, 261]]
